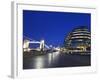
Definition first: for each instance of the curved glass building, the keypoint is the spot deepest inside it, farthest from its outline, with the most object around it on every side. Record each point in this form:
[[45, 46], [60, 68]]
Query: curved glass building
[[78, 41]]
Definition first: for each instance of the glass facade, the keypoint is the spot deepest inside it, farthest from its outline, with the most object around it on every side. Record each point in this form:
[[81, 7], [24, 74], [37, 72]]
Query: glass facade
[[79, 40]]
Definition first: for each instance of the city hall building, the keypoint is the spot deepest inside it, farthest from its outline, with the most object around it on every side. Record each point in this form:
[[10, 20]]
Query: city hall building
[[78, 41]]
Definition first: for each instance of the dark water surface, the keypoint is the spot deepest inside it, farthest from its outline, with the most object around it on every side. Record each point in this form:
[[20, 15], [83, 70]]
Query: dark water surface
[[53, 60]]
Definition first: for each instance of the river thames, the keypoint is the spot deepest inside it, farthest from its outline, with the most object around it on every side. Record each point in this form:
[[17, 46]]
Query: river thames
[[55, 60]]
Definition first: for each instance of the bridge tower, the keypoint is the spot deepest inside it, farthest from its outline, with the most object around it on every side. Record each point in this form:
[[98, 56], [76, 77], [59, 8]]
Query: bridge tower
[[42, 45], [26, 45]]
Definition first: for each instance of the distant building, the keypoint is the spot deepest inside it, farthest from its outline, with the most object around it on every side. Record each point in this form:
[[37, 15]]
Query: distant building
[[78, 41]]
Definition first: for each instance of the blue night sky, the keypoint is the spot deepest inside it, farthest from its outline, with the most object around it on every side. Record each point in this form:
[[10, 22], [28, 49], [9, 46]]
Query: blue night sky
[[52, 26]]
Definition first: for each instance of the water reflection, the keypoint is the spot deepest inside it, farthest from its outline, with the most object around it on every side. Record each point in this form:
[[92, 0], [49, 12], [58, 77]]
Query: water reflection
[[55, 59], [45, 60], [39, 62], [50, 58]]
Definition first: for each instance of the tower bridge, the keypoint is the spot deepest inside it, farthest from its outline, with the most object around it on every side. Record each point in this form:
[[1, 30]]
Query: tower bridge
[[28, 41]]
